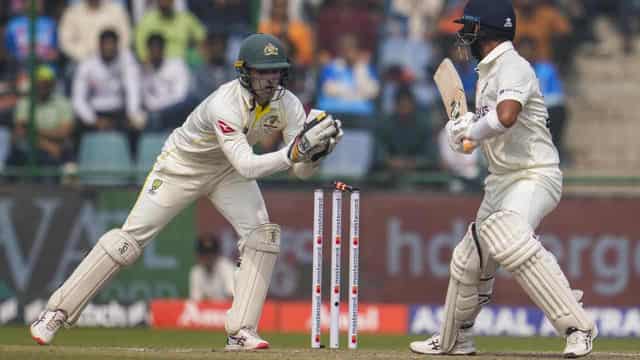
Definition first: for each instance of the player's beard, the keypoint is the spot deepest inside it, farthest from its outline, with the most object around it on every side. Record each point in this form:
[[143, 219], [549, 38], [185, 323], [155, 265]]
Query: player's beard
[[264, 91]]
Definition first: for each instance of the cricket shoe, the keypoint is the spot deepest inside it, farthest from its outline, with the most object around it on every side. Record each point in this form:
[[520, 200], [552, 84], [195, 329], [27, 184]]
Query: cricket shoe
[[579, 342], [464, 345], [46, 325], [245, 339]]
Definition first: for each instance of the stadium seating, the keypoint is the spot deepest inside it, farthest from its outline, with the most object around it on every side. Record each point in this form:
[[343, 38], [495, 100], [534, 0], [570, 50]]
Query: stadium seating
[[108, 155]]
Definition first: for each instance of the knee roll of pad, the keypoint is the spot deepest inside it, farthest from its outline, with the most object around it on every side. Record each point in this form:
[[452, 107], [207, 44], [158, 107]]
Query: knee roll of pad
[[265, 238], [509, 238], [121, 247]]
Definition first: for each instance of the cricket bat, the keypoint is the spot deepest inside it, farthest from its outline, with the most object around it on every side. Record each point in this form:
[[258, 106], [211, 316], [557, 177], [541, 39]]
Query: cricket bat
[[452, 92]]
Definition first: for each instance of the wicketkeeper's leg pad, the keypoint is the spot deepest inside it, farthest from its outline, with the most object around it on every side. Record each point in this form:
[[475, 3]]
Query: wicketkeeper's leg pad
[[462, 302], [259, 251], [512, 243], [114, 250]]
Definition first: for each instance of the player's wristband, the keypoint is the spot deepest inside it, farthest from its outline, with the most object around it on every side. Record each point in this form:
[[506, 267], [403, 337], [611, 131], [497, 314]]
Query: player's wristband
[[486, 127]]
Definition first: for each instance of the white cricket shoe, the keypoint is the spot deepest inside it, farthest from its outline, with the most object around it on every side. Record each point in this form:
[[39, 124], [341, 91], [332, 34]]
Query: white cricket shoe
[[464, 345], [46, 325], [246, 339], [579, 342]]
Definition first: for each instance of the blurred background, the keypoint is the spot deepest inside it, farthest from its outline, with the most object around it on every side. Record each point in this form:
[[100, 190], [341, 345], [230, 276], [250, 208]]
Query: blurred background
[[89, 90]]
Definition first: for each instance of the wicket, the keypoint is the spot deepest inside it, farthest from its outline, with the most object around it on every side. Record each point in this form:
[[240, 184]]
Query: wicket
[[336, 250]]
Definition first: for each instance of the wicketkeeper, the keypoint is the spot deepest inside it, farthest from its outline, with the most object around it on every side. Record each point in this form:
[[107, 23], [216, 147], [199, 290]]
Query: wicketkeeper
[[211, 155], [524, 185]]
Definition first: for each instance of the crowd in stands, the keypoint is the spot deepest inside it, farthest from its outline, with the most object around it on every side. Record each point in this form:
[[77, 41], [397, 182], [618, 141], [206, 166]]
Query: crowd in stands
[[138, 67]]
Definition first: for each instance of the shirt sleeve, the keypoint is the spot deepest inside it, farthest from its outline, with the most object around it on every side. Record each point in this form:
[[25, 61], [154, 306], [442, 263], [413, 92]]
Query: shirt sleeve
[[182, 78], [514, 83], [141, 33], [80, 93], [197, 29], [121, 19], [240, 154], [66, 31], [21, 114], [196, 292], [132, 80], [66, 113]]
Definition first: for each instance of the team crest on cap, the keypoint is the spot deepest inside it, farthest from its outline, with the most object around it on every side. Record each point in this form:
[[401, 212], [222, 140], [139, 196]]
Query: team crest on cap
[[270, 49], [508, 23]]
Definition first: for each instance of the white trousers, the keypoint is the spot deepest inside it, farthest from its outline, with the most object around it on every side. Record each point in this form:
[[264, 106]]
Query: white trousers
[[531, 193], [172, 186]]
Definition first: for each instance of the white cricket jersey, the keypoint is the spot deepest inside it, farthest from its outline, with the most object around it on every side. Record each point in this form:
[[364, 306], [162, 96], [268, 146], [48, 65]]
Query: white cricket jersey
[[504, 75], [224, 127]]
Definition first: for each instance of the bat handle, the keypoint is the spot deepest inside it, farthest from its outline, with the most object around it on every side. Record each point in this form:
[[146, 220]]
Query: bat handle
[[468, 146]]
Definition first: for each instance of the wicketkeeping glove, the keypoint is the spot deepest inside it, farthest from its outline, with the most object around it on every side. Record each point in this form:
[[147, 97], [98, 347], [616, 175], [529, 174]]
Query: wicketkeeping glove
[[315, 133], [329, 145]]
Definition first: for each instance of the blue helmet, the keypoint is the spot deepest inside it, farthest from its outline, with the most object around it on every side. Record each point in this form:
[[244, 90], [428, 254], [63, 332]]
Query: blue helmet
[[487, 19]]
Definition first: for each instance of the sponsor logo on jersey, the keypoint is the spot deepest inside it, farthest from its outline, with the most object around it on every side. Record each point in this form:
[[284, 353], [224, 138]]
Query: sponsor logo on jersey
[[270, 122], [270, 50], [224, 127], [514, 91]]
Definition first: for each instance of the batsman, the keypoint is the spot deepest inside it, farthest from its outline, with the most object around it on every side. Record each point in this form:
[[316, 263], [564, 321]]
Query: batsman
[[524, 185], [212, 155]]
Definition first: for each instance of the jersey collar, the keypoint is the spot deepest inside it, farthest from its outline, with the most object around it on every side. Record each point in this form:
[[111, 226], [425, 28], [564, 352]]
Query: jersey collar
[[493, 55]]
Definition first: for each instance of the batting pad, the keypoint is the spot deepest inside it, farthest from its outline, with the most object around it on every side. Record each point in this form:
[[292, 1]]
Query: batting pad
[[259, 253], [512, 243], [114, 250], [462, 303]]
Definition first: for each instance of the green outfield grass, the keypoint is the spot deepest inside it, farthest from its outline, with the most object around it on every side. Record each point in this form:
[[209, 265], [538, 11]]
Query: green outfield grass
[[98, 343]]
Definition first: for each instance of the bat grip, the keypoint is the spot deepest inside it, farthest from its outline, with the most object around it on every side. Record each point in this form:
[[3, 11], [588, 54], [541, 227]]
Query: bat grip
[[468, 146]]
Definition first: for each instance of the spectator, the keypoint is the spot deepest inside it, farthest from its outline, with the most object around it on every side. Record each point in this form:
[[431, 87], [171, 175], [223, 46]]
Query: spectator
[[82, 23], [165, 85], [347, 17], [231, 15], [53, 123], [215, 70], [544, 23], [552, 90], [302, 80], [404, 61], [17, 35], [629, 12], [106, 88], [404, 139], [420, 16], [181, 30], [8, 101], [349, 83], [295, 32], [140, 7], [211, 278]]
